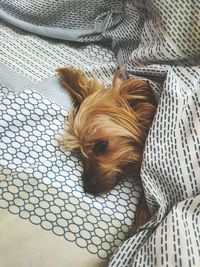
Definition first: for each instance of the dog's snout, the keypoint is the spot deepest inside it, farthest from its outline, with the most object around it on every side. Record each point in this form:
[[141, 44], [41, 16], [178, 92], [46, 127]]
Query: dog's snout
[[91, 187], [90, 184], [94, 180]]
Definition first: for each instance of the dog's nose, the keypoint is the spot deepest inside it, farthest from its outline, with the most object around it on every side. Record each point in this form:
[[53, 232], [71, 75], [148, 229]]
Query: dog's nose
[[89, 182], [91, 187]]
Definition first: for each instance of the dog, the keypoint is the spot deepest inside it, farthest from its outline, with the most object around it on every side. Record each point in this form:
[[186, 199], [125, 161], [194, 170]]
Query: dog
[[108, 128]]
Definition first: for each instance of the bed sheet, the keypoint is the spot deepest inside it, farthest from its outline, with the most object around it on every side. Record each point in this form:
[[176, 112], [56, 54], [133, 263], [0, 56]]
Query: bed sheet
[[158, 41], [45, 216]]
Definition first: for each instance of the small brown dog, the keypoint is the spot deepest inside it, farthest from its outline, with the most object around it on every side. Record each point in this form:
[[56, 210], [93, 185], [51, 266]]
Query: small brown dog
[[108, 127]]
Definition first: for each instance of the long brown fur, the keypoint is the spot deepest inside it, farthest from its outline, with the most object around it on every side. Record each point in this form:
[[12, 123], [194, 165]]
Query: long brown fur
[[108, 127]]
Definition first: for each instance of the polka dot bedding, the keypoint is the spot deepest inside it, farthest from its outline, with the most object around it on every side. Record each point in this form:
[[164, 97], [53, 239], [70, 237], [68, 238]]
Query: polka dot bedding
[[41, 182]]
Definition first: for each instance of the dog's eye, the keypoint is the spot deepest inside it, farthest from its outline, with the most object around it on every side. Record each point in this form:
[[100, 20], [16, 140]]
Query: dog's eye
[[100, 147]]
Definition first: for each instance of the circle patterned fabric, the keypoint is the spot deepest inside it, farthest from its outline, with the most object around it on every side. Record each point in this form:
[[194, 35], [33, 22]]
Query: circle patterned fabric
[[41, 182]]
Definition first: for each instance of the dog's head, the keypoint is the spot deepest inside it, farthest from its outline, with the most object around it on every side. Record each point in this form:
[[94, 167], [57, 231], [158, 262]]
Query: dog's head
[[107, 126]]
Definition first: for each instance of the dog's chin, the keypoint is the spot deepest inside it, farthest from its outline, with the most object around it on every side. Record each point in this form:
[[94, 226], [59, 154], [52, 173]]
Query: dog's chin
[[98, 188]]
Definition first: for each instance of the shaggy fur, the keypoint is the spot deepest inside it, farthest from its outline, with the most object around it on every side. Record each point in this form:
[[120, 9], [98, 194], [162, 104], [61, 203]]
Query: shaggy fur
[[108, 127]]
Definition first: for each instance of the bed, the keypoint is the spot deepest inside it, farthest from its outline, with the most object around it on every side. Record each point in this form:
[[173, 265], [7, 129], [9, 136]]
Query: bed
[[46, 218]]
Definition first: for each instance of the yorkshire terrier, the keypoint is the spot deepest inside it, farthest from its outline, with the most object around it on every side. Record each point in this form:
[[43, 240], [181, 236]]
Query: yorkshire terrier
[[108, 127]]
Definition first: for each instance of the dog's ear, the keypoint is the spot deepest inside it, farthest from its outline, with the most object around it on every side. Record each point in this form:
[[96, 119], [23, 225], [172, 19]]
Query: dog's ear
[[138, 94], [132, 90], [78, 85]]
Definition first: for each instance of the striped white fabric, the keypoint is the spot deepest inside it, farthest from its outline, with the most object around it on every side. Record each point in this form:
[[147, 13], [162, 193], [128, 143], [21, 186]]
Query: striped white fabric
[[170, 174], [168, 55]]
